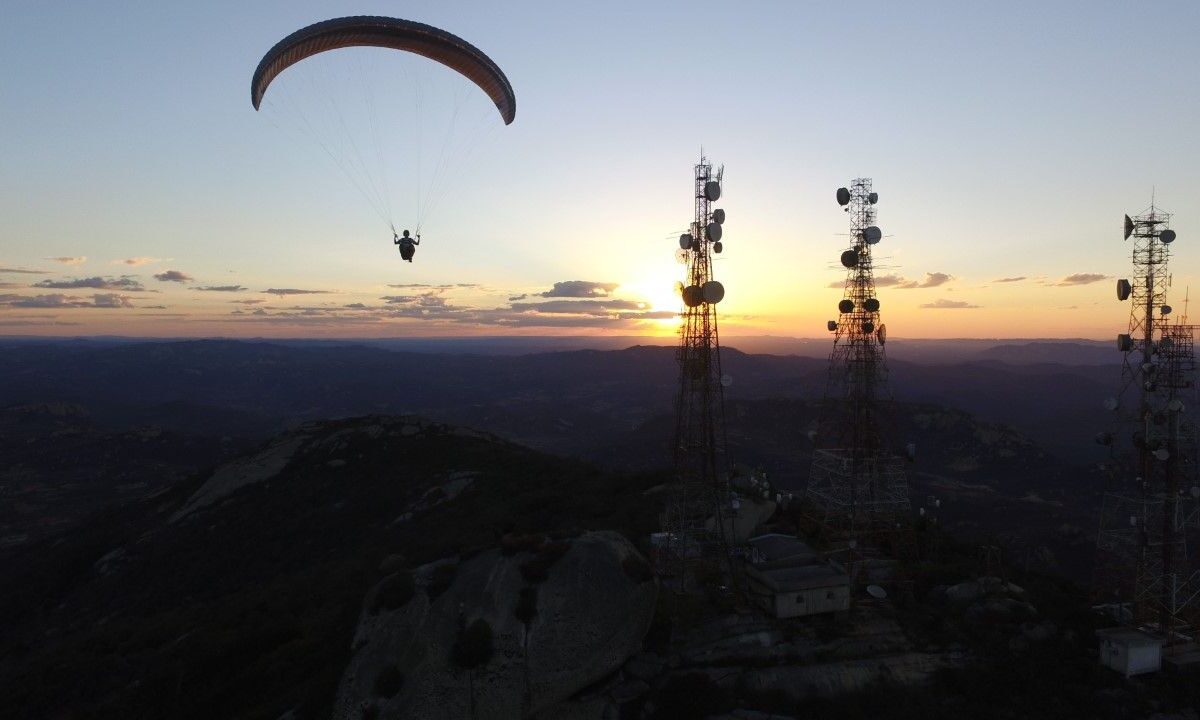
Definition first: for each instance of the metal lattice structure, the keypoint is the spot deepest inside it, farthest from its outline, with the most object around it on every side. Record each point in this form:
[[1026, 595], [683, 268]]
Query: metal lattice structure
[[857, 484], [698, 504], [1145, 574]]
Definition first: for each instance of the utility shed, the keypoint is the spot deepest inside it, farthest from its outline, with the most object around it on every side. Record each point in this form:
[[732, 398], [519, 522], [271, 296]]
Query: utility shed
[[1130, 651], [788, 579]]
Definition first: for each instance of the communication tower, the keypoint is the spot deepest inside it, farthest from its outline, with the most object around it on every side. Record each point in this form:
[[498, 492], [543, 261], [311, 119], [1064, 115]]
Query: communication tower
[[1145, 574], [857, 484], [699, 503]]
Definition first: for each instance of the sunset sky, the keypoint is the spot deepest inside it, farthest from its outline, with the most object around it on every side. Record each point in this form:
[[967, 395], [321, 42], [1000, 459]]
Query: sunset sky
[[142, 195]]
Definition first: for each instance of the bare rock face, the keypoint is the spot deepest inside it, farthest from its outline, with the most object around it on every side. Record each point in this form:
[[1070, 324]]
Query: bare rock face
[[592, 610]]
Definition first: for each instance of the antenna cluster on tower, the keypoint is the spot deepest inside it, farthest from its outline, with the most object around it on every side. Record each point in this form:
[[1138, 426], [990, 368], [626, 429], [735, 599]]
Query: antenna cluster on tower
[[1146, 571], [857, 486], [699, 503]]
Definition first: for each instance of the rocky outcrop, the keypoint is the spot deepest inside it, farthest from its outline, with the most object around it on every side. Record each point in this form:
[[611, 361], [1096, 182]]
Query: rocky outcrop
[[592, 611]]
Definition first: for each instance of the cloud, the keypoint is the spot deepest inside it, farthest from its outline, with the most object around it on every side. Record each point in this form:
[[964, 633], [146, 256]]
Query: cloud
[[173, 276], [892, 280], [154, 307], [68, 259], [1010, 279], [223, 288], [516, 298], [23, 271], [580, 307], [255, 301], [580, 289], [293, 291], [949, 305], [1081, 279], [57, 300], [935, 279], [139, 261], [124, 282]]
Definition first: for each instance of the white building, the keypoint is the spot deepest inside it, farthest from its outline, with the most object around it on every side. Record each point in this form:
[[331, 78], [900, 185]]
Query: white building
[[789, 579], [1130, 651]]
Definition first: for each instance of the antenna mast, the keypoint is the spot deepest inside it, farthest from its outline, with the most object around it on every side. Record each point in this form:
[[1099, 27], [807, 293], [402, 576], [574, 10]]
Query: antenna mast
[[1145, 576], [857, 485], [698, 504]]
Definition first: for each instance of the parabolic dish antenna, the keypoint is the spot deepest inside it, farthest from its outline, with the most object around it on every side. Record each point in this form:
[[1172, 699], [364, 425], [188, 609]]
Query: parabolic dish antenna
[[873, 198], [843, 196], [713, 291], [718, 247], [726, 380], [1162, 454], [871, 304], [1123, 289], [1128, 227], [719, 216], [1124, 342], [831, 325], [1111, 403], [685, 241], [876, 592], [1175, 405], [846, 306], [712, 190], [1167, 236], [678, 287], [713, 231], [881, 333], [849, 258], [868, 327], [692, 296], [1165, 309], [872, 235]]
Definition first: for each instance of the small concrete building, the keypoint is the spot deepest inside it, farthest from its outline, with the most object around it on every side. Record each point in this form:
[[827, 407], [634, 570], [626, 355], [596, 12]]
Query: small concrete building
[[787, 578], [1130, 651]]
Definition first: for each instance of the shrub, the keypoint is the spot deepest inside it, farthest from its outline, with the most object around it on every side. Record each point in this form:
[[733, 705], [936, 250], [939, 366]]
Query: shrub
[[473, 646], [526, 609], [637, 569], [389, 681], [513, 543], [441, 579], [394, 592], [537, 569]]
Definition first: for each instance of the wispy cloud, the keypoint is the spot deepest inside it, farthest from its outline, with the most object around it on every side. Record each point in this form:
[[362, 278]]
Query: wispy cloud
[[253, 301], [517, 298], [1010, 279], [1081, 279], [892, 280], [124, 282], [580, 289], [68, 259], [223, 288], [580, 307], [173, 276], [57, 300], [23, 271], [294, 291], [139, 261], [949, 305]]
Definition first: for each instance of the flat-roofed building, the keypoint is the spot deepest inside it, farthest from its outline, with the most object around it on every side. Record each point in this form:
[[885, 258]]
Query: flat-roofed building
[[787, 578]]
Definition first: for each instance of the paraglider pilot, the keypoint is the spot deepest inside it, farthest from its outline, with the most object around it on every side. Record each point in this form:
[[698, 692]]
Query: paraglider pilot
[[408, 245]]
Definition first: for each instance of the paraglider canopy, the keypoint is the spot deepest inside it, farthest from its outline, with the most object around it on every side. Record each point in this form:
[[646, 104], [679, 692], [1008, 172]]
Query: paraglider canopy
[[369, 31]]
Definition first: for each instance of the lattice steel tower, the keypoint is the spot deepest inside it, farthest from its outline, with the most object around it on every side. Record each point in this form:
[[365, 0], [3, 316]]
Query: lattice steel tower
[[1145, 575], [857, 484], [698, 501]]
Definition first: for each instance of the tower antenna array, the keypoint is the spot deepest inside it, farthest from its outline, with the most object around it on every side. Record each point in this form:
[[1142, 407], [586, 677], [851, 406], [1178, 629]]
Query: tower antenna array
[[857, 487], [1145, 576], [698, 504]]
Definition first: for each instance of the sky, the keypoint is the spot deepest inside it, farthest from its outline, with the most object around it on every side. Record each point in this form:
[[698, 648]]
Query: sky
[[142, 195]]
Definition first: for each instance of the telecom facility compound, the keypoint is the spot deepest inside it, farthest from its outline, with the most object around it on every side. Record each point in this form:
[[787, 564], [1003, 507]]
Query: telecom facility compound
[[857, 486], [698, 503], [1146, 573]]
